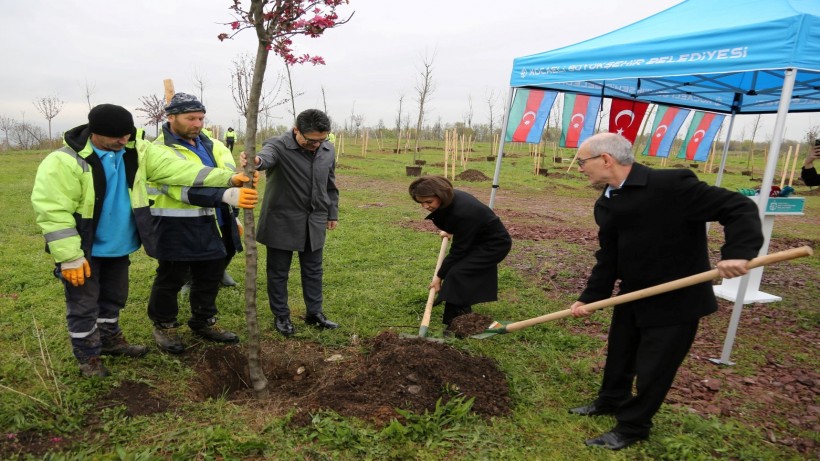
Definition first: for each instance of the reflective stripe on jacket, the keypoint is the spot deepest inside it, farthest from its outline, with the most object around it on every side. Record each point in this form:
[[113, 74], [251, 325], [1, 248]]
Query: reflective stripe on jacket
[[185, 224]]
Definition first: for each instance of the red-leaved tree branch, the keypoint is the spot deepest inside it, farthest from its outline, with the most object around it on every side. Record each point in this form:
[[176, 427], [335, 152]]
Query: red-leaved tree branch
[[276, 22]]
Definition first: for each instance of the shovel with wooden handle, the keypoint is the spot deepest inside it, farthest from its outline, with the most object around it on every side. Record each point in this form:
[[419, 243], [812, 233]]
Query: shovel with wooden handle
[[500, 328], [431, 297]]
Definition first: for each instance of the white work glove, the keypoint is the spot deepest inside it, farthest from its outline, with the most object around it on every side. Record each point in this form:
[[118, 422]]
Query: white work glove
[[76, 271], [241, 197]]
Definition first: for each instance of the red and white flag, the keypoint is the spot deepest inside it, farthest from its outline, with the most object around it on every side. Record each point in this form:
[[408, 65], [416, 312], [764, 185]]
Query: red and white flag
[[625, 117]]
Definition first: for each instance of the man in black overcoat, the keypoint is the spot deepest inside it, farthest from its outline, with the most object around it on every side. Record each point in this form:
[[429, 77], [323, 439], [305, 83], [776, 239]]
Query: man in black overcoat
[[652, 229]]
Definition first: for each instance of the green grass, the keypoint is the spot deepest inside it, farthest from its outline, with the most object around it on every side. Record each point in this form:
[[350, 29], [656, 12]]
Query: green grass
[[376, 273]]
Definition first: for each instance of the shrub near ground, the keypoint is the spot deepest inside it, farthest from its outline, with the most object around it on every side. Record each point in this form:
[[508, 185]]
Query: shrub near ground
[[378, 264]]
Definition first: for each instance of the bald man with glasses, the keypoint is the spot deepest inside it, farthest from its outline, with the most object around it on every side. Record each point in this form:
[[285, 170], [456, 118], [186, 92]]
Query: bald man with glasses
[[652, 230]]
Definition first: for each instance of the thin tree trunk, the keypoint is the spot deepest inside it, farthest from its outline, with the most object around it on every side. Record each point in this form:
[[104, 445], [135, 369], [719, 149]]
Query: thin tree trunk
[[257, 375]]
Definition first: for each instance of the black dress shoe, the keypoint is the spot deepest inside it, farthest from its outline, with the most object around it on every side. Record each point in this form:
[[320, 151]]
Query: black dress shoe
[[613, 440], [284, 325], [319, 320], [592, 410]]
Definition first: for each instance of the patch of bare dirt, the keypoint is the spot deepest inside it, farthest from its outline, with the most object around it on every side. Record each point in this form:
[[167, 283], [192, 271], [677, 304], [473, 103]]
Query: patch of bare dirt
[[30, 444], [407, 373], [780, 396], [137, 398]]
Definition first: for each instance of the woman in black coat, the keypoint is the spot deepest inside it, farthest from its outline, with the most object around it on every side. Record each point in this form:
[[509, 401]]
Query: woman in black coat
[[469, 273]]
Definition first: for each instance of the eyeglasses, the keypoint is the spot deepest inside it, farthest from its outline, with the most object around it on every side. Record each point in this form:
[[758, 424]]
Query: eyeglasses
[[582, 161], [313, 141]]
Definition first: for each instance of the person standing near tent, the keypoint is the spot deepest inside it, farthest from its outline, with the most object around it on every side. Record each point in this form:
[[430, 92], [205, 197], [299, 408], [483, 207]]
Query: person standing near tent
[[90, 200], [808, 173], [230, 138], [480, 242], [652, 230], [197, 231], [301, 204]]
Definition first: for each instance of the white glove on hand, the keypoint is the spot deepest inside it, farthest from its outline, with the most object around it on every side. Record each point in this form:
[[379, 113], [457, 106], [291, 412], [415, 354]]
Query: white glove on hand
[[241, 197]]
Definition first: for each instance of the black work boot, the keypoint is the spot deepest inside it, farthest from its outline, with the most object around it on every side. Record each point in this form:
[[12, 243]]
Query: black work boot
[[117, 345], [93, 366], [211, 332], [167, 337]]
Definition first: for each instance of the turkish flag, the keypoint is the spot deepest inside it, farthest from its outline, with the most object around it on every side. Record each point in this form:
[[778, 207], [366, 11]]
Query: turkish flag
[[625, 117]]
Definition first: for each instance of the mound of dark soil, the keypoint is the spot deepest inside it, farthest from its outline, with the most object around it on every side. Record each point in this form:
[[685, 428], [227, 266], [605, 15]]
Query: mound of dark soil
[[467, 325], [406, 373], [472, 175]]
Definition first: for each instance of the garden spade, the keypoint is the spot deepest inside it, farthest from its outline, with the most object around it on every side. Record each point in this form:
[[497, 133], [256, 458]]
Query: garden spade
[[496, 327], [431, 297]]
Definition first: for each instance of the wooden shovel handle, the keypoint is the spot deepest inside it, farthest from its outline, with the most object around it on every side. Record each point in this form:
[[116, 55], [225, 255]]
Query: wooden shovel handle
[[431, 297], [662, 288]]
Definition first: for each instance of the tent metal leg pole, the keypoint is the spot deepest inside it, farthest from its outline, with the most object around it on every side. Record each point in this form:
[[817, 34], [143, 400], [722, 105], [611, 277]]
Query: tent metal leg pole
[[737, 309], [501, 147], [765, 187], [719, 178], [777, 139]]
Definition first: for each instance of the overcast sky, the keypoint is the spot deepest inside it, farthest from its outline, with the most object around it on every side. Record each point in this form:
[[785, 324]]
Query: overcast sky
[[123, 50]]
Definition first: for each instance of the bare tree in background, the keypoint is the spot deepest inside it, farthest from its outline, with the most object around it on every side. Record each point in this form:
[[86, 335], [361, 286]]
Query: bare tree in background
[[491, 100], [88, 90], [26, 136], [750, 160], [357, 121], [6, 125], [811, 135], [241, 82], [324, 99], [154, 109], [468, 116], [199, 84], [49, 107], [424, 89], [398, 125]]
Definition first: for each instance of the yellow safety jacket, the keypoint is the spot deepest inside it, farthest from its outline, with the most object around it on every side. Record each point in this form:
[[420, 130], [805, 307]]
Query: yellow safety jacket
[[69, 189]]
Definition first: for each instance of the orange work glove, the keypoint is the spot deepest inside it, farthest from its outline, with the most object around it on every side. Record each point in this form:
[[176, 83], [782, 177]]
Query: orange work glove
[[241, 197], [76, 271], [240, 227], [241, 178]]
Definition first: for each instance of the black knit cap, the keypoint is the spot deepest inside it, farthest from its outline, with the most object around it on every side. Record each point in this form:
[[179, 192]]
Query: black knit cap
[[182, 103], [110, 120]]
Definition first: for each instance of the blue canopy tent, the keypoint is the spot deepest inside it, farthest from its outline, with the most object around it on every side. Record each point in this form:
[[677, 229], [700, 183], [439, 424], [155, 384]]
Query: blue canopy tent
[[726, 56]]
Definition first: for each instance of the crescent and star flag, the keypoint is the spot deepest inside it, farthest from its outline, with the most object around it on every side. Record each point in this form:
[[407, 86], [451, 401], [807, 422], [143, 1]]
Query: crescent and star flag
[[625, 117], [664, 129], [702, 130], [578, 120], [528, 115]]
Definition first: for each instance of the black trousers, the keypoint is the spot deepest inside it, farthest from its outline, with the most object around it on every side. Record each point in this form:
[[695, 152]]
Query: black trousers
[[278, 269], [93, 309], [452, 311], [163, 306], [649, 356]]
